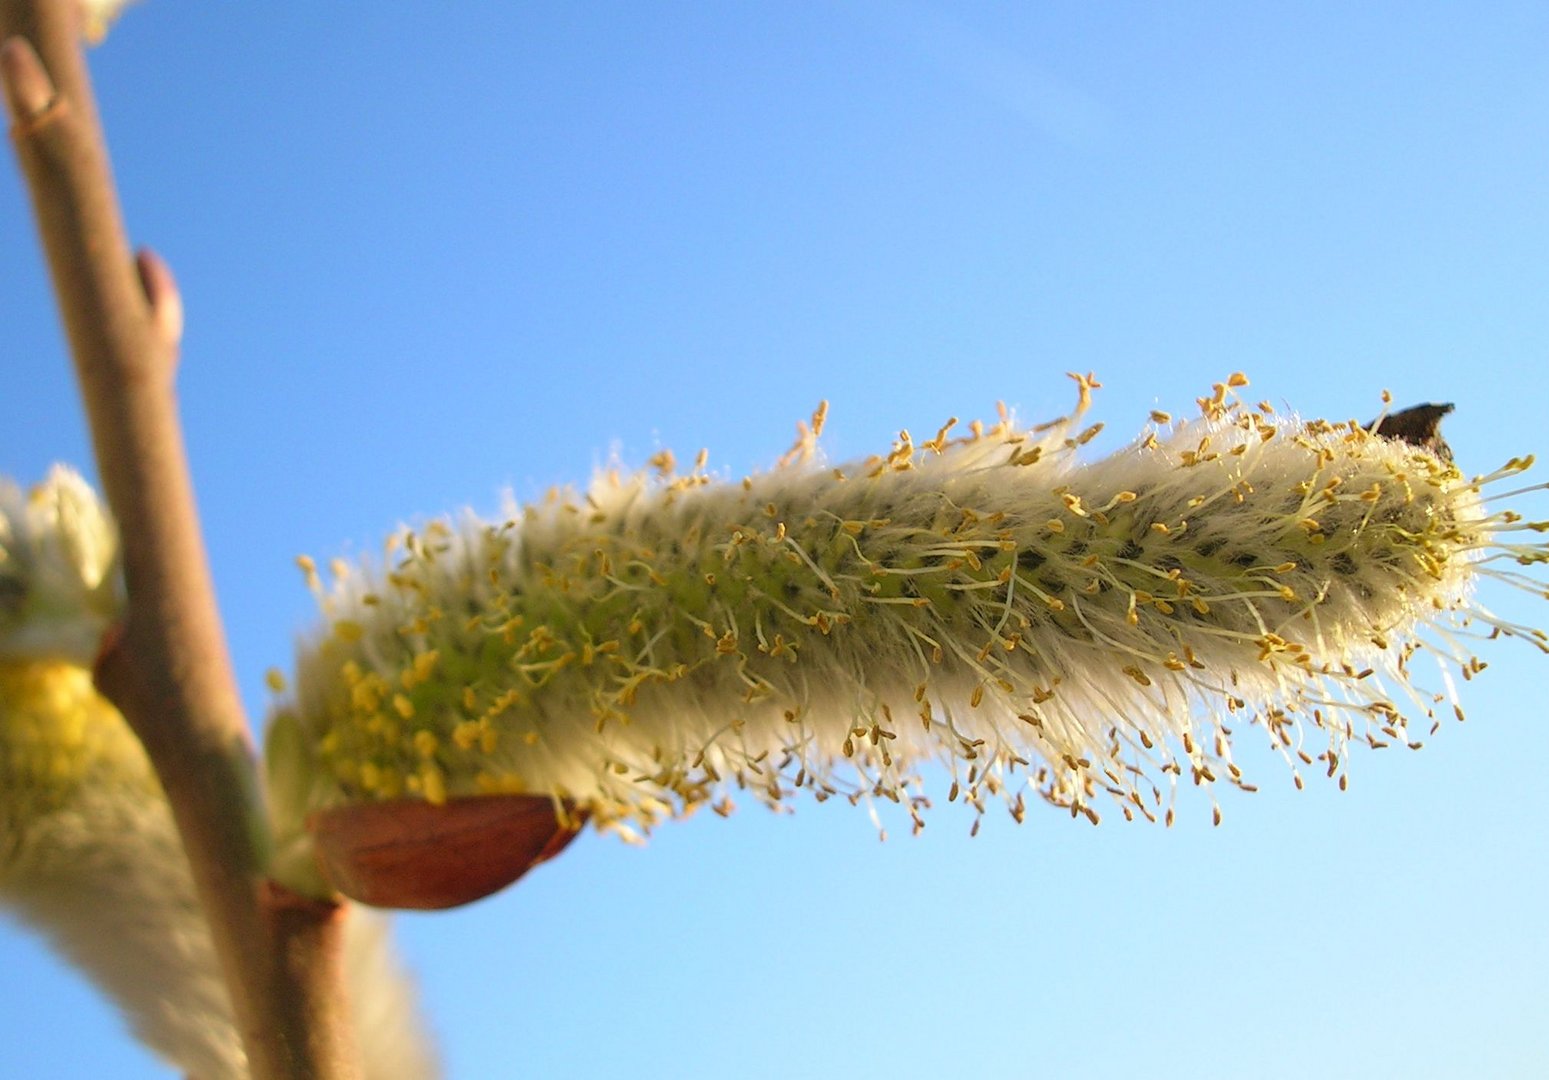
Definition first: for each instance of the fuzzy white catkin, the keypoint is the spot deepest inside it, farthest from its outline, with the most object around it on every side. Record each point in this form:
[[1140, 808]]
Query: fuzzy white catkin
[[89, 855], [988, 602], [60, 585]]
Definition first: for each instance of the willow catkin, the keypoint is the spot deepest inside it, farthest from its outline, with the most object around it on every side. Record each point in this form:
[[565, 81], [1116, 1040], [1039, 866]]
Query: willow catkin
[[92, 860], [986, 601], [90, 857]]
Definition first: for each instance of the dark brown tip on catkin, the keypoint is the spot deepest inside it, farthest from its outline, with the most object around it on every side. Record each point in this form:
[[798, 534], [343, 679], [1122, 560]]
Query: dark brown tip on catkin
[[1420, 426]]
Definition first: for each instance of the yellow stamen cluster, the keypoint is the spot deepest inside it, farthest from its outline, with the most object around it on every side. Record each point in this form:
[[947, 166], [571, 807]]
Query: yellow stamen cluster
[[58, 740], [1086, 630]]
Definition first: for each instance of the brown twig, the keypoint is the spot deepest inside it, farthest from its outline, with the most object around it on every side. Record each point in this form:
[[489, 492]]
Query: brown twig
[[168, 670]]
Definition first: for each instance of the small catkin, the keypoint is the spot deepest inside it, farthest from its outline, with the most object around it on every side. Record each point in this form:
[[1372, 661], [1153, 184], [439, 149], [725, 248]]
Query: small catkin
[[97, 16], [988, 601]]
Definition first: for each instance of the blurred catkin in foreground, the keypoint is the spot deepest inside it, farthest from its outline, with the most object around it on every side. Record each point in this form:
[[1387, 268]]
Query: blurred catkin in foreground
[[89, 854]]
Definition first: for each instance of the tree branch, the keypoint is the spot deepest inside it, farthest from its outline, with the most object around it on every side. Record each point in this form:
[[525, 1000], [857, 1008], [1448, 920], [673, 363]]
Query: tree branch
[[168, 671]]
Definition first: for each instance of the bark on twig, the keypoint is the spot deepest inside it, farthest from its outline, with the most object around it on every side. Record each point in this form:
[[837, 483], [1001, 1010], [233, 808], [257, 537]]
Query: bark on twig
[[168, 671]]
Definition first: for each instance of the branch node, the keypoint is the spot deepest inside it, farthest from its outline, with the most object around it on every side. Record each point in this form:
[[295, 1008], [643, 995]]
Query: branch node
[[161, 293], [29, 93]]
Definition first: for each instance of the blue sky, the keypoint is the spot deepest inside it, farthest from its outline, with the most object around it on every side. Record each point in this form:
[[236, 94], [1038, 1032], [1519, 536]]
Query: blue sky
[[433, 252]]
